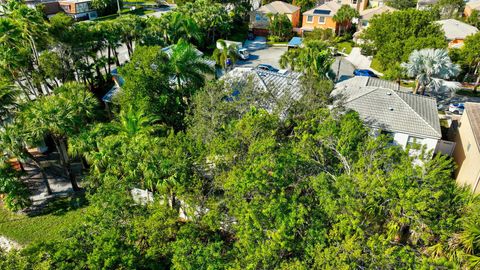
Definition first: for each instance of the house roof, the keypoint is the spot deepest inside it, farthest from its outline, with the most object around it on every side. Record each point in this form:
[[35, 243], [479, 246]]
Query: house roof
[[390, 109], [277, 84], [363, 81], [367, 14], [473, 5], [278, 7], [473, 112], [426, 2], [328, 9], [168, 50], [455, 29]]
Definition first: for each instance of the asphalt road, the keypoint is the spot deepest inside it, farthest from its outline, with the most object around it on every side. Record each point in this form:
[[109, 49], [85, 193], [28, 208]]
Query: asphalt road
[[268, 55]]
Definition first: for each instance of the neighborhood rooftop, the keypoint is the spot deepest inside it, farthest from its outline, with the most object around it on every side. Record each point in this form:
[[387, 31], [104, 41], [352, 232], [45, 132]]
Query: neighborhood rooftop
[[280, 85], [473, 112], [367, 14], [390, 109], [455, 29], [330, 8], [278, 7]]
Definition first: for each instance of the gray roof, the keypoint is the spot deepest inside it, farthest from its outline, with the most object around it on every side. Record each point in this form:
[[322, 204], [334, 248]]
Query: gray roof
[[455, 29], [277, 84], [363, 81], [390, 109], [168, 51], [278, 7], [329, 6], [473, 112]]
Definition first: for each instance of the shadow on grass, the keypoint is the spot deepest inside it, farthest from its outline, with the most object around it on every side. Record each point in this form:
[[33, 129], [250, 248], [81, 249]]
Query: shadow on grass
[[59, 206]]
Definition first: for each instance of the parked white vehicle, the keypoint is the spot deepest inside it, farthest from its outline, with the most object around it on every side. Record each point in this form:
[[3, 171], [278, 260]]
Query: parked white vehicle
[[456, 108], [242, 52]]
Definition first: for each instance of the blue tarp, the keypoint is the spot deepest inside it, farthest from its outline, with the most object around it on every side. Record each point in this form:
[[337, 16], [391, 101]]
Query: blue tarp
[[295, 42]]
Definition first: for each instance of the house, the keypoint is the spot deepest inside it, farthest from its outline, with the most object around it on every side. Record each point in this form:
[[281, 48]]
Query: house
[[356, 4], [376, 3], [272, 87], [78, 9], [467, 149], [367, 14], [470, 7], [259, 18], [321, 17], [426, 4], [390, 109], [456, 31]]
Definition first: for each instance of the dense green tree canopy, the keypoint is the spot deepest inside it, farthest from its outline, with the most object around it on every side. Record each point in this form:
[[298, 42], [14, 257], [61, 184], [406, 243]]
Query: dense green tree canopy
[[391, 37]]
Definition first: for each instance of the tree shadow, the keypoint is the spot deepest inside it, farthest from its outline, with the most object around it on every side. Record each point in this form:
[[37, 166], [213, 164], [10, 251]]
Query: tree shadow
[[58, 205]]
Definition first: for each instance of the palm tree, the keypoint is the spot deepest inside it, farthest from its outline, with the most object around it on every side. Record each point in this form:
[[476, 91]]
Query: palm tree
[[344, 16], [225, 52], [187, 65], [60, 116], [8, 97], [430, 68], [313, 60]]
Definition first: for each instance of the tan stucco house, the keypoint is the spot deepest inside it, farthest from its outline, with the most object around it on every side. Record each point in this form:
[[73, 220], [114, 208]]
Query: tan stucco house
[[456, 31], [259, 20], [467, 149], [470, 7]]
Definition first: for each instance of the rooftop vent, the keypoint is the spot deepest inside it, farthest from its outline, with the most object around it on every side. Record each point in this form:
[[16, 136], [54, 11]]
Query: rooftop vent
[[390, 109], [389, 94]]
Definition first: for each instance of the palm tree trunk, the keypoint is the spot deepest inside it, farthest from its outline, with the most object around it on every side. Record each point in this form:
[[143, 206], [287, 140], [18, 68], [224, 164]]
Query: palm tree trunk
[[417, 86], [62, 151], [475, 87]]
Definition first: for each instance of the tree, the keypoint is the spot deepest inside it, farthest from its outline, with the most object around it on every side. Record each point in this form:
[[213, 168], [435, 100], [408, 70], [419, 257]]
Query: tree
[[474, 18], [106, 7], [17, 194], [314, 59], [8, 100], [148, 86], [450, 8], [279, 27], [60, 116], [470, 56], [402, 4], [188, 67], [221, 55], [344, 17], [393, 36], [430, 67]]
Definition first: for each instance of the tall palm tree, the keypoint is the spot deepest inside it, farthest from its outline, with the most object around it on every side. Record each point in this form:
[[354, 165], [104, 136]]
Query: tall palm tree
[[225, 52], [430, 68], [187, 66], [344, 17]]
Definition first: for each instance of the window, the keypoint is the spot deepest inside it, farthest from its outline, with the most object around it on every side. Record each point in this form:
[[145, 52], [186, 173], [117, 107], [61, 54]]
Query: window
[[390, 136], [321, 20], [65, 8], [468, 146], [82, 7], [309, 19], [414, 141], [354, 2]]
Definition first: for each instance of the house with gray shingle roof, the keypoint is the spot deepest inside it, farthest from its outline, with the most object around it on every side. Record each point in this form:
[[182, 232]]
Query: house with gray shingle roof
[[273, 87], [389, 108]]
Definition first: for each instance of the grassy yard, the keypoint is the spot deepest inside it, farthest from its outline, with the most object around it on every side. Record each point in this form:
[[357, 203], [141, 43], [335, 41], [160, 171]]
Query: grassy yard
[[138, 12], [376, 65], [347, 45], [49, 226]]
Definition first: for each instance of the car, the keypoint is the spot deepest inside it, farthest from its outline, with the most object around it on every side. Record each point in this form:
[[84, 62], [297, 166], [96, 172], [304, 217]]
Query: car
[[364, 72], [267, 68], [456, 108]]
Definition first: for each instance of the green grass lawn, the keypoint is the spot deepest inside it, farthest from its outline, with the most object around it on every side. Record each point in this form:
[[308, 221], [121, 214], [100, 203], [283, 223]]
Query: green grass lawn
[[138, 12], [376, 65], [49, 226], [347, 45]]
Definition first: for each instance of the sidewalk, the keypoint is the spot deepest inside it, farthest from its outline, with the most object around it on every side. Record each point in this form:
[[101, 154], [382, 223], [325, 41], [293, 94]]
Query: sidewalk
[[361, 61]]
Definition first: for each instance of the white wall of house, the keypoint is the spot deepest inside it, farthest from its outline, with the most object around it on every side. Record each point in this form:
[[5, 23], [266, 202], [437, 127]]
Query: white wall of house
[[402, 140]]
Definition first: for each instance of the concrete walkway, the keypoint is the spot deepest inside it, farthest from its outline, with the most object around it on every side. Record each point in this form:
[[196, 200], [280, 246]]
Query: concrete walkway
[[7, 244], [360, 61]]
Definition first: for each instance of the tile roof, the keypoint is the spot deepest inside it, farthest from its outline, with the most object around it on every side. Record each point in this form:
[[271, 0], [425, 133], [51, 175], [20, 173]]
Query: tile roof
[[390, 108], [367, 14], [332, 6], [473, 112], [363, 81], [278, 85], [455, 29], [278, 7], [473, 5]]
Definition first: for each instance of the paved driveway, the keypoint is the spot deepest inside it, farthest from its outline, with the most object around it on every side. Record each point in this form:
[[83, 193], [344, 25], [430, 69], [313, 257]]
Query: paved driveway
[[267, 55]]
